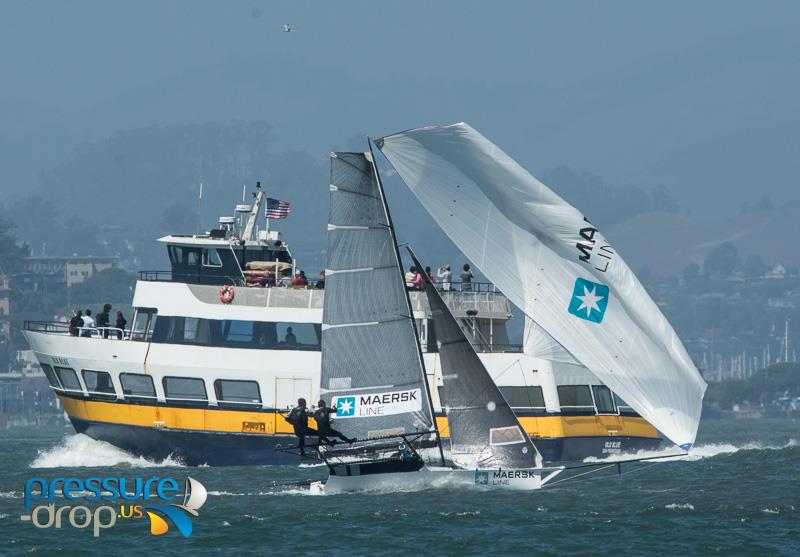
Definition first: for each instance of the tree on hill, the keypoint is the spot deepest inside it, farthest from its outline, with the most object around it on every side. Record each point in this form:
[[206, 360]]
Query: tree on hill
[[106, 286], [722, 260]]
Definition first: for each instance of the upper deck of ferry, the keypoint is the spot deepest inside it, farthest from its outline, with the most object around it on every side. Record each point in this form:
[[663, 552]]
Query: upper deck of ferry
[[258, 267]]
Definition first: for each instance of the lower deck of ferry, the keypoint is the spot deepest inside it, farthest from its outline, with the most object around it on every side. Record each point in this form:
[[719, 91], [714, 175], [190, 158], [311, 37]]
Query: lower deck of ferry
[[221, 437]]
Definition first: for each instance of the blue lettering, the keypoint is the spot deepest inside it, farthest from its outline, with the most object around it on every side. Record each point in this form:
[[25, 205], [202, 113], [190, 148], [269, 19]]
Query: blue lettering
[[29, 496], [70, 485], [96, 490], [110, 486], [137, 489], [167, 484]]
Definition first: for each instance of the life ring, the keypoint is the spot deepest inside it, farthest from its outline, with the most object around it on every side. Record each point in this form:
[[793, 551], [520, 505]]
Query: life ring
[[226, 294]]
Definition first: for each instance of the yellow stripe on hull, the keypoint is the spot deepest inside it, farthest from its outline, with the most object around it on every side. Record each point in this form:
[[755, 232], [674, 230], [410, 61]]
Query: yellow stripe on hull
[[272, 422]]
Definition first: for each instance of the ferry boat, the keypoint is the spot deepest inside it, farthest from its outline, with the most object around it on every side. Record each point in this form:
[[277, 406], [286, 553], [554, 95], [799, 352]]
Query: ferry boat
[[222, 345]]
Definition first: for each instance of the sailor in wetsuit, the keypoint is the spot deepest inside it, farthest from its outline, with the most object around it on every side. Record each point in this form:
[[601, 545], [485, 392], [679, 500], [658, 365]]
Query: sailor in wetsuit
[[323, 417], [298, 417]]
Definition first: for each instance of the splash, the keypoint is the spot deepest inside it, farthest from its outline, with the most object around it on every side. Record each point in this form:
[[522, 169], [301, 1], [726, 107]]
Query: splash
[[81, 451], [698, 452]]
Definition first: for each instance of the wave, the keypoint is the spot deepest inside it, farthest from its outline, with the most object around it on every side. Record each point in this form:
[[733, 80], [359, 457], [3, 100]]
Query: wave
[[698, 452], [81, 451], [680, 506]]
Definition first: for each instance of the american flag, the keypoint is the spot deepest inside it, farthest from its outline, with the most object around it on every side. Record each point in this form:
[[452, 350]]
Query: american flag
[[277, 209]]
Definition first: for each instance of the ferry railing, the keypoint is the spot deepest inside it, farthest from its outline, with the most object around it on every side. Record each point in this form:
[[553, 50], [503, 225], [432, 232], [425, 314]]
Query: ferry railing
[[62, 328], [169, 276]]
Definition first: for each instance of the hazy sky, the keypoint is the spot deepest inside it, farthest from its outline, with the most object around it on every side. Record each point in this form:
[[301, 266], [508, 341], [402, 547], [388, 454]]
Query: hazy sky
[[698, 95]]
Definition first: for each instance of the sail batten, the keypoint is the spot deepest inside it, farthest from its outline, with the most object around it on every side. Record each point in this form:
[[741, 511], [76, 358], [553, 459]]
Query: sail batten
[[556, 266]]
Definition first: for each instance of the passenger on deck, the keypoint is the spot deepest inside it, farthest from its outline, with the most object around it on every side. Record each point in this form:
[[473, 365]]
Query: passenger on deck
[[430, 275], [323, 417], [298, 417], [300, 279], [409, 278], [76, 322], [290, 339], [466, 278], [104, 319], [419, 284], [88, 323], [321, 282], [446, 275], [120, 324]]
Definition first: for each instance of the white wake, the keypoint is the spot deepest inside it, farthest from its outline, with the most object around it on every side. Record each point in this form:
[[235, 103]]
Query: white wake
[[698, 452], [81, 451]]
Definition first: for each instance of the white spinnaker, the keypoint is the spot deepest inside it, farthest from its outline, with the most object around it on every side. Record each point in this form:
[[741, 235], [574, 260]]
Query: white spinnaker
[[543, 254]]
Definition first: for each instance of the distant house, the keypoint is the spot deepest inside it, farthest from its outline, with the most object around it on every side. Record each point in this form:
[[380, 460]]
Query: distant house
[[777, 272], [41, 271]]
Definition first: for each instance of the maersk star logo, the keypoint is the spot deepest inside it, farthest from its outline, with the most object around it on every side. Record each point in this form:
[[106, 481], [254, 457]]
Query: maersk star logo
[[589, 300], [345, 406]]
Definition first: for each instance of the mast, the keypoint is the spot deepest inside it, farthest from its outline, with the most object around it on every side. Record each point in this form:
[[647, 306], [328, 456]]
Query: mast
[[408, 300], [254, 211]]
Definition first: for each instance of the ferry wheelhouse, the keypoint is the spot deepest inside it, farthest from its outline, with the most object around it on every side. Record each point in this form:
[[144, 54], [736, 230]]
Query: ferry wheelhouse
[[222, 345]]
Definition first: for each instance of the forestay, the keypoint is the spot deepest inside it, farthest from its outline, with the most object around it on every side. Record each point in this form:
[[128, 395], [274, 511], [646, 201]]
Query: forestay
[[371, 366], [484, 431], [555, 265]]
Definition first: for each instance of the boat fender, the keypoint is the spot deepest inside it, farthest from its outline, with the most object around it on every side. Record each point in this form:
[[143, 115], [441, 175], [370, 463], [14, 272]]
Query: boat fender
[[226, 294]]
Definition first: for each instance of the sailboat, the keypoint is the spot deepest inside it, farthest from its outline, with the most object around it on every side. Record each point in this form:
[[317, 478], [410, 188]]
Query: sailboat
[[372, 368], [556, 266], [372, 365]]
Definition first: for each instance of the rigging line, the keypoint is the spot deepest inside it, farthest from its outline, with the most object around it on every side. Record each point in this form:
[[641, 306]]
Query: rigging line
[[582, 474]]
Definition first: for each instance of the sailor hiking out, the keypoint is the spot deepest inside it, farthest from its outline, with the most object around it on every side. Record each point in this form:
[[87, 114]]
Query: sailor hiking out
[[298, 417], [323, 417]]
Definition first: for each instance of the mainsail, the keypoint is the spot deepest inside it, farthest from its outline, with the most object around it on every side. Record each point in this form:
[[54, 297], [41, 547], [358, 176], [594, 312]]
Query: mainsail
[[555, 265], [484, 431], [372, 370]]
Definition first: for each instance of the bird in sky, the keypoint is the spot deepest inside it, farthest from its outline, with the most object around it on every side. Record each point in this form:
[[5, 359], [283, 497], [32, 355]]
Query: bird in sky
[[287, 28]]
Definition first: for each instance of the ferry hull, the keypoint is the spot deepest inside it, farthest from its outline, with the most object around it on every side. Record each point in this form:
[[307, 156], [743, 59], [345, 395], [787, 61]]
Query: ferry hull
[[196, 448]]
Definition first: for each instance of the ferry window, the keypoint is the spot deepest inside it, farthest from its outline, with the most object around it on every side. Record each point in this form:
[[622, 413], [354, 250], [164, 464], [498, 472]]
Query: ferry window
[[192, 257], [298, 336], [603, 399], [623, 407], [144, 321], [523, 397], [184, 388], [174, 254], [575, 398], [51, 376], [237, 393], [99, 382], [68, 378], [137, 385], [211, 258], [239, 331], [190, 328]]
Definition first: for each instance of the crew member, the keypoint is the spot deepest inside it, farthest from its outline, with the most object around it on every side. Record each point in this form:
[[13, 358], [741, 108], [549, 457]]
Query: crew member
[[323, 416], [298, 417]]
